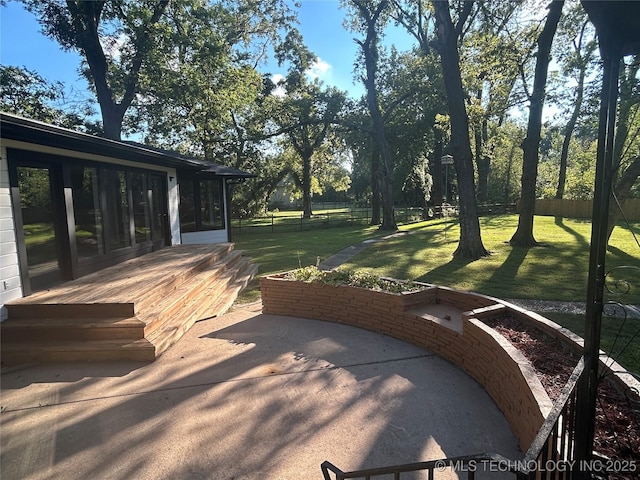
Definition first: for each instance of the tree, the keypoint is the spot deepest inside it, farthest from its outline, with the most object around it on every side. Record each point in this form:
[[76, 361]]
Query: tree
[[370, 18], [524, 233], [416, 18], [574, 29], [306, 115], [626, 149], [80, 25], [26, 93], [123, 40], [470, 244]]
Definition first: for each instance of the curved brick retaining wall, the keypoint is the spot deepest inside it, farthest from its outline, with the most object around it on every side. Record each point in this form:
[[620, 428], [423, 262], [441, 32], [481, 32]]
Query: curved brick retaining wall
[[466, 342]]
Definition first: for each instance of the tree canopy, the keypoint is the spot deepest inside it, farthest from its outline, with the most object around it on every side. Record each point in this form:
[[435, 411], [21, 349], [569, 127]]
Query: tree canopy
[[506, 88]]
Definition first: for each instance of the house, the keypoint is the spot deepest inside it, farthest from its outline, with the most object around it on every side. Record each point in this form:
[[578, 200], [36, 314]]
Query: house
[[72, 205]]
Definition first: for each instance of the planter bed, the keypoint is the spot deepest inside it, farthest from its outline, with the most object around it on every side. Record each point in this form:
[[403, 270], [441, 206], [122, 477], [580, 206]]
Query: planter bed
[[617, 427]]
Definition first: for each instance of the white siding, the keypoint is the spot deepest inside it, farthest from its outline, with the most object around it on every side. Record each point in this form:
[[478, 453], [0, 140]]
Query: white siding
[[10, 284], [211, 236]]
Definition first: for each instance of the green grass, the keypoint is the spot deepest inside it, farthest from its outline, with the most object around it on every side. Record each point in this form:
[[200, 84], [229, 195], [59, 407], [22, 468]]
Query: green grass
[[620, 338], [558, 270], [279, 252]]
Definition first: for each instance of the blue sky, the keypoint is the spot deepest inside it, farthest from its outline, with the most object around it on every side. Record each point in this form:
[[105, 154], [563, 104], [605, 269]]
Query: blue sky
[[22, 44]]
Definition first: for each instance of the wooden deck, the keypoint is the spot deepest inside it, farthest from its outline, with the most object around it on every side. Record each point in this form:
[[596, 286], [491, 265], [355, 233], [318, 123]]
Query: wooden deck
[[134, 310]]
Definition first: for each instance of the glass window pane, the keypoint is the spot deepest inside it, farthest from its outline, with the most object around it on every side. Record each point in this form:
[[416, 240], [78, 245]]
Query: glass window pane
[[159, 209], [211, 204], [140, 197], [86, 211], [187, 206], [39, 230], [117, 206]]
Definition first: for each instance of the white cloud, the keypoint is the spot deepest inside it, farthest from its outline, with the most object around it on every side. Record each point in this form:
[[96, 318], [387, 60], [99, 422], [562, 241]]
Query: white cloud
[[319, 69]]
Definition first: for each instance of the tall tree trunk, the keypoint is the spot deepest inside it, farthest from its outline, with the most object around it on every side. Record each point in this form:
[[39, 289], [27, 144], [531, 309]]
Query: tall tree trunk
[[436, 172], [369, 48], [470, 245], [568, 133], [482, 161], [524, 233], [507, 183], [306, 186], [376, 217], [622, 190]]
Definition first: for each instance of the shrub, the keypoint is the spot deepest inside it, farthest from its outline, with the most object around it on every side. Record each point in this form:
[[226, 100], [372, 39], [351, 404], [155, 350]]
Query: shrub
[[358, 279]]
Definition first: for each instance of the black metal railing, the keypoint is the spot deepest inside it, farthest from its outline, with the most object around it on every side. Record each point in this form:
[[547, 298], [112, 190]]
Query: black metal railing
[[550, 456], [469, 465]]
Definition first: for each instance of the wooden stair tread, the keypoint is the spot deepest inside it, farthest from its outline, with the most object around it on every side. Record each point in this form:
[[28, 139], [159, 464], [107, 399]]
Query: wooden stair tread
[[164, 337], [98, 322], [214, 275], [78, 346]]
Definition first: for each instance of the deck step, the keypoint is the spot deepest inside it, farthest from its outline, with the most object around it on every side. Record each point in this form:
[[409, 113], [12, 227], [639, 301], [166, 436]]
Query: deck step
[[69, 310], [173, 304], [43, 329], [61, 351], [214, 302], [162, 309]]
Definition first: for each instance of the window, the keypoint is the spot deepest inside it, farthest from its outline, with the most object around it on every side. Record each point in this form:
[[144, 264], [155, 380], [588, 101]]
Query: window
[[201, 205], [86, 211], [117, 208], [140, 204], [211, 206], [158, 210]]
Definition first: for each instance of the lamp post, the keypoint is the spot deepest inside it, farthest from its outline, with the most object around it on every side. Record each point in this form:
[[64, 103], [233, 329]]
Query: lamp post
[[446, 160]]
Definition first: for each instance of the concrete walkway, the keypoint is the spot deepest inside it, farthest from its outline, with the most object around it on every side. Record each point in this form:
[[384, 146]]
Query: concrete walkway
[[247, 396]]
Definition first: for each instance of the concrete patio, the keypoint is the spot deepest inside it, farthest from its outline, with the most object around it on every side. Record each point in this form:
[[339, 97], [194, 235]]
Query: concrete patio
[[247, 396]]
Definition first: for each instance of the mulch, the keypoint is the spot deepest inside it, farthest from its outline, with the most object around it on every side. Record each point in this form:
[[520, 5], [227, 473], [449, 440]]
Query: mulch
[[617, 426]]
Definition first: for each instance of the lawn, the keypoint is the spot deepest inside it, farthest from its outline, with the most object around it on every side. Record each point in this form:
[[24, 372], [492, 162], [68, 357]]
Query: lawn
[[557, 270]]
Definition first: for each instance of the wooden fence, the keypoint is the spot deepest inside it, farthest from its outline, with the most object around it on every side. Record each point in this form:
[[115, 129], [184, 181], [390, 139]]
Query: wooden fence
[[582, 208]]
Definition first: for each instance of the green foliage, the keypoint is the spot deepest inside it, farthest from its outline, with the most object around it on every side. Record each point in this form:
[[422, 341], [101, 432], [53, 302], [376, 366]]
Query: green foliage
[[360, 279], [26, 93]]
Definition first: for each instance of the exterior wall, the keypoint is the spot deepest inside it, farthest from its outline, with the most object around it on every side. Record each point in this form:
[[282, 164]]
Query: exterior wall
[[210, 236], [9, 266], [10, 284]]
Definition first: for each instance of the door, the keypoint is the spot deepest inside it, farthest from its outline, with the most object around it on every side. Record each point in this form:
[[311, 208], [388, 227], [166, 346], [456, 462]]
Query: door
[[159, 211], [40, 225]]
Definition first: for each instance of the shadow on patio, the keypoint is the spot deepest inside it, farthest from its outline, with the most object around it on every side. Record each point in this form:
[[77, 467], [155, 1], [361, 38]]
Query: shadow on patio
[[247, 395]]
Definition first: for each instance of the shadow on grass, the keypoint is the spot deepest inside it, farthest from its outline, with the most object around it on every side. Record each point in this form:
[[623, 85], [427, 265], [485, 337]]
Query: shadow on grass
[[508, 271], [445, 271], [559, 221]]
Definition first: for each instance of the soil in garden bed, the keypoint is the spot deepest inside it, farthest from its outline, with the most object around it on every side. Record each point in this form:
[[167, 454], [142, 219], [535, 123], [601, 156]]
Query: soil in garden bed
[[617, 428]]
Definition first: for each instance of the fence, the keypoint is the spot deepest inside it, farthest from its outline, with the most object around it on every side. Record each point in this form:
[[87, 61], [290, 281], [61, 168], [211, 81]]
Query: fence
[[283, 222], [582, 208]]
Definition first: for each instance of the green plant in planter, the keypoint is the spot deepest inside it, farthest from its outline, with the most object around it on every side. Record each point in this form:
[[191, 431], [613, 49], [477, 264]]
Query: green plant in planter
[[356, 278]]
